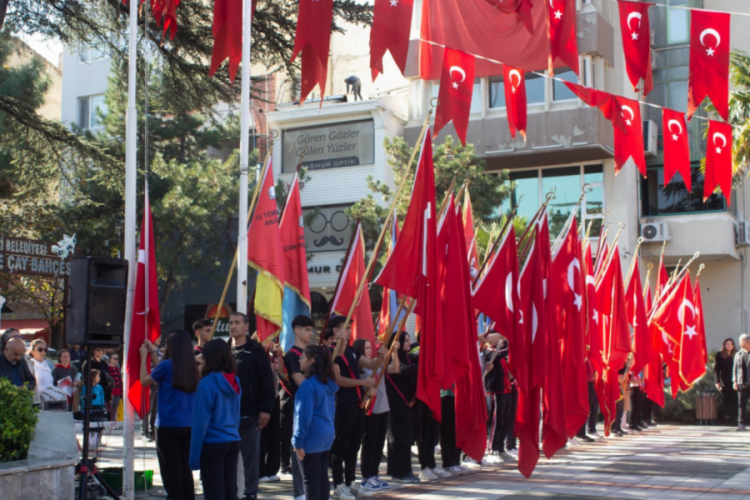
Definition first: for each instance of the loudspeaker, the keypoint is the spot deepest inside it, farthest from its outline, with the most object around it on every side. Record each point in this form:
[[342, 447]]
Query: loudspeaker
[[97, 290]]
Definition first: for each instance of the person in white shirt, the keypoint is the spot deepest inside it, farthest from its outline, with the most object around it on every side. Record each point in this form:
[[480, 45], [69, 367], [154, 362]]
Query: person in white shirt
[[42, 368]]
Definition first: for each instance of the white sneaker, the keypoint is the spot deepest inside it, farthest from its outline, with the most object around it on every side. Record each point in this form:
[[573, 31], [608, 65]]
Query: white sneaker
[[264, 479], [440, 472], [274, 479], [456, 470], [301, 497], [507, 457], [493, 459], [427, 475], [470, 463], [342, 493]]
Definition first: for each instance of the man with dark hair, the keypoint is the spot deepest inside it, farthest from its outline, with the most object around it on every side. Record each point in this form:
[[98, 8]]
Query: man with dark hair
[[256, 405], [12, 365], [327, 339], [202, 331], [355, 84], [303, 327]]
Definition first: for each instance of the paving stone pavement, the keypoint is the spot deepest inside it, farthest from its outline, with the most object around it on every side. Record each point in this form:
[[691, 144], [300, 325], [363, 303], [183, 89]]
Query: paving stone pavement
[[666, 462]]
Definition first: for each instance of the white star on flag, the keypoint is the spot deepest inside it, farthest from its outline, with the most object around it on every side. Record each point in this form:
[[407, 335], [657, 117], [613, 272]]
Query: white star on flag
[[710, 51], [558, 14], [690, 332], [718, 150], [455, 85], [675, 137], [596, 317], [635, 35], [628, 122], [577, 301], [394, 3]]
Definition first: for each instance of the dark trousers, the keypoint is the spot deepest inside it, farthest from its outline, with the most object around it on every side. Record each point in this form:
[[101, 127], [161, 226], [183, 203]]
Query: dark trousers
[[314, 468], [636, 406], [742, 395], [399, 449], [448, 449], [286, 417], [373, 440], [173, 452], [500, 418], [269, 444], [148, 424], [349, 425], [647, 409], [429, 434], [219, 470], [510, 438], [729, 400], [593, 408], [250, 435], [617, 424]]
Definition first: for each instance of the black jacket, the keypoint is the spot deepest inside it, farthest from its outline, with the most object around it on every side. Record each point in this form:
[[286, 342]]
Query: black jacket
[[741, 374], [401, 387], [723, 370], [6, 371], [256, 380]]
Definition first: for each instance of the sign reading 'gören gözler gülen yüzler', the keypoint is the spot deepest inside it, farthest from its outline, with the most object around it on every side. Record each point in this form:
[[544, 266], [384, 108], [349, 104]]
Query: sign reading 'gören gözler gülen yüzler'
[[329, 146]]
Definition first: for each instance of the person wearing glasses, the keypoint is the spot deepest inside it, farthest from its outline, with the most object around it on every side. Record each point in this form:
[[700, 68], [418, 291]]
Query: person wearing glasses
[[42, 367]]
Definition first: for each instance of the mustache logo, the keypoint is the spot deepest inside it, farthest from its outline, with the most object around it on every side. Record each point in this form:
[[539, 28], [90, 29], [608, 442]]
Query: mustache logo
[[328, 239]]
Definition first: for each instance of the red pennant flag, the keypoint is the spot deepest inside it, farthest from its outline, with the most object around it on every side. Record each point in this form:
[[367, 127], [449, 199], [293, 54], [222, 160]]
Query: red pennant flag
[[514, 80], [662, 278], [166, 11], [352, 275], [540, 335], [693, 355], [718, 160], [391, 27], [670, 319], [593, 324], [313, 39], [471, 244], [521, 8], [390, 298], [629, 143], [636, 311], [227, 31], [146, 318], [292, 231], [653, 373], [412, 269], [563, 42], [709, 61], [636, 43], [607, 103], [676, 149], [454, 97]]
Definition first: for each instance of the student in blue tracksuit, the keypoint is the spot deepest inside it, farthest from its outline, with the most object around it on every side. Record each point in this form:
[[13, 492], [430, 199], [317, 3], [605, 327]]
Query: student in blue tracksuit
[[314, 412], [215, 438]]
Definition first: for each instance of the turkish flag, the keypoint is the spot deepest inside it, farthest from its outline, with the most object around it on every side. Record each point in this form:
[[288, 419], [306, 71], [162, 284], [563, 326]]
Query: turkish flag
[[636, 43], [718, 160], [469, 237], [540, 334], [454, 96], [607, 103], [693, 355], [676, 149], [636, 311], [390, 298], [313, 39], [352, 276], [166, 11], [292, 234], [662, 279], [671, 319], [709, 61], [514, 81], [653, 373], [412, 269], [391, 26], [594, 342], [227, 31], [563, 43], [629, 144], [146, 318], [521, 8]]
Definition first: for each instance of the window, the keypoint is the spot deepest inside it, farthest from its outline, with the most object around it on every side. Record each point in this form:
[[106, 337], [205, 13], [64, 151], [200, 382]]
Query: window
[[90, 110], [678, 22], [89, 53], [560, 91], [497, 92], [476, 94], [534, 88], [658, 199]]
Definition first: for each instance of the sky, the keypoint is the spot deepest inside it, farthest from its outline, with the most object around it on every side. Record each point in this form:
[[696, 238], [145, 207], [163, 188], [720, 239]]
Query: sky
[[50, 49]]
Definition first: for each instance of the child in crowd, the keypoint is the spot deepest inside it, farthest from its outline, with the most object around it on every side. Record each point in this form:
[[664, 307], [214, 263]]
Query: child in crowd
[[314, 411], [98, 392]]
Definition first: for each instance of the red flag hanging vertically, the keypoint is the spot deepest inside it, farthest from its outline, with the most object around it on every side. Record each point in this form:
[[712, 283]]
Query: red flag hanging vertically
[[653, 374], [709, 61], [670, 318], [412, 269], [563, 42], [693, 353], [454, 97], [391, 26], [676, 148], [629, 144], [313, 39], [471, 244], [636, 43], [718, 160], [593, 325], [521, 8], [540, 336], [662, 278], [636, 311], [146, 318], [514, 80], [352, 275]]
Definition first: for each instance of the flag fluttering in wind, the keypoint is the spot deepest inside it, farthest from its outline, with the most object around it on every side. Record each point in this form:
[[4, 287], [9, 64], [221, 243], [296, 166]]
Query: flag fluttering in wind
[[391, 27], [718, 160], [676, 148], [514, 81], [693, 350], [709, 61], [636, 43], [629, 143], [563, 39], [296, 286], [146, 318], [265, 255], [390, 298], [313, 39], [636, 311], [227, 31]]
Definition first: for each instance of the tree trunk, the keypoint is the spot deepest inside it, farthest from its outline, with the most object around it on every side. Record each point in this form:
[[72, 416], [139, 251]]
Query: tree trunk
[[167, 290], [3, 10]]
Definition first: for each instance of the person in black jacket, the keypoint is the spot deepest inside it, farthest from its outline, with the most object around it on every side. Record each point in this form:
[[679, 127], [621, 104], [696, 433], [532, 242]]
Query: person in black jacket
[[12, 365], [497, 386], [723, 366], [256, 381]]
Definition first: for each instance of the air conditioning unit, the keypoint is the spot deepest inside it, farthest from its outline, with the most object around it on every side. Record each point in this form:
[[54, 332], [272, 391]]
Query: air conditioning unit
[[655, 231], [650, 137], [742, 233]]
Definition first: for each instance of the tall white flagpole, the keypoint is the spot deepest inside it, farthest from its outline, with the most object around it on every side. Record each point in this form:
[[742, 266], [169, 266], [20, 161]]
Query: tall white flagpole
[[244, 152], [131, 152]]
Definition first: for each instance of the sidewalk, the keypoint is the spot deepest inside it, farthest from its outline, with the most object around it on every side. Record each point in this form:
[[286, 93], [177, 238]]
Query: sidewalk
[[666, 462]]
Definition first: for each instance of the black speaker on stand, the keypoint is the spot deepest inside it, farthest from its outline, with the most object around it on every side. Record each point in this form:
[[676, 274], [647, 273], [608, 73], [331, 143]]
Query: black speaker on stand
[[96, 309]]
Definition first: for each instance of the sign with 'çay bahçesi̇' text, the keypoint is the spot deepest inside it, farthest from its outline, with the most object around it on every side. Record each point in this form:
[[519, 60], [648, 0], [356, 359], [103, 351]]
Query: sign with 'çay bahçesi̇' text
[[36, 257], [338, 145]]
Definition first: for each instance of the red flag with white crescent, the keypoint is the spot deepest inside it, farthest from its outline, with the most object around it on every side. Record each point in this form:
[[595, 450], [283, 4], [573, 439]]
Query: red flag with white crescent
[[313, 39], [693, 355], [709, 61], [454, 96], [563, 39], [514, 81], [636, 43], [391, 27], [629, 143], [676, 148], [227, 31], [718, 160], [636, 311], [607, 103], [593, 323]]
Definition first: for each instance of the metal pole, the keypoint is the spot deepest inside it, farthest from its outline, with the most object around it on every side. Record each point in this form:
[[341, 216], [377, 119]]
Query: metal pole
[[131, 152], [244, 153]]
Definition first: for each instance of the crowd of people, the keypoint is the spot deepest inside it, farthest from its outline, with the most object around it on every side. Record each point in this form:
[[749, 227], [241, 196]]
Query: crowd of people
[[300, 413]]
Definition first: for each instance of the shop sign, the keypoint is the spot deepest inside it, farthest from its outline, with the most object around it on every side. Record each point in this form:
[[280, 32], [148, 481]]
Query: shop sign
[[36, 257], [329, 230], [330, 146]]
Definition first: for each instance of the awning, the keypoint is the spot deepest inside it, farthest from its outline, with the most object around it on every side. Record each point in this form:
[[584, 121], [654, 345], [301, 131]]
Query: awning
[[25, 326]]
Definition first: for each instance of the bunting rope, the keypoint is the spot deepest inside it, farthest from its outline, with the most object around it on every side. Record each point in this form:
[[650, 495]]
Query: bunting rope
[[685, 7], [545, 75]]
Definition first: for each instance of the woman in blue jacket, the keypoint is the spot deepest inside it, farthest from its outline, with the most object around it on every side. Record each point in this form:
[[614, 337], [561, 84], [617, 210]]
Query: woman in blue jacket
[[314, 412], [215, 439]]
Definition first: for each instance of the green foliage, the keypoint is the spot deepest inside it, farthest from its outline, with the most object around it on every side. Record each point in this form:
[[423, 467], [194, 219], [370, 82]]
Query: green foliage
[[682, 409], [17, 420]]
